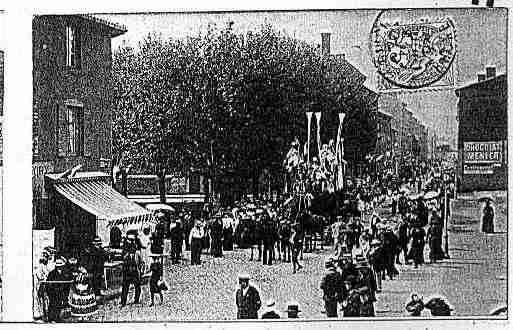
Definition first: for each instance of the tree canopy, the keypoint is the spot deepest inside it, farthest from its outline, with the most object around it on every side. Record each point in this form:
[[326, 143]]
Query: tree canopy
[[222, 102]]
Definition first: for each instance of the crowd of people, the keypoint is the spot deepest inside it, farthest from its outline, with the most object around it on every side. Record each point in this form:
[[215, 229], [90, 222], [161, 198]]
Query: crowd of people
[[367, 246]]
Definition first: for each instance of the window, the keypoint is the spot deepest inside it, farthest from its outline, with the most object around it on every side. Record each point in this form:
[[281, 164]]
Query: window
[[73, 47], [71, 130]]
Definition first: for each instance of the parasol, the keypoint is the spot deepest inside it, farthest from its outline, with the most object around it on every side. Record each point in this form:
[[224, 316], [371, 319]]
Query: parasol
[[159, 207], [431, 195], [485, 199]]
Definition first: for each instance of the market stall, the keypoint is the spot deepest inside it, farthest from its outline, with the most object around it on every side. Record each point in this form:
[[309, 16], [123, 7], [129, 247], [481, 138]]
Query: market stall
[[86, 206]]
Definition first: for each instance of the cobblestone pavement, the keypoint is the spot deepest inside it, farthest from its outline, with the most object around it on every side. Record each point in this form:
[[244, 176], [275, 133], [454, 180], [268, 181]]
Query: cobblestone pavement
[[473, 280]]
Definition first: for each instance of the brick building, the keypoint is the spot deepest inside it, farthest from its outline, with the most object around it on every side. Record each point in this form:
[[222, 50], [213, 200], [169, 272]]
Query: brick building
[[483, 133], [72, 112], [385, 139]]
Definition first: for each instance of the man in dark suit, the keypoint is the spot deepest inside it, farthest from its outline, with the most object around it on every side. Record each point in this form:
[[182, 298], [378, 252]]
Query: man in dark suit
[[57, 290], [268, 238], [96, 262], [177, 236], [332, 286], [247, 299], [132, 263]]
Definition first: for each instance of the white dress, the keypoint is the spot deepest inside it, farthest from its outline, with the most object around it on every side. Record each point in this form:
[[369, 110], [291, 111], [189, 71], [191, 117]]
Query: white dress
[[40, 299], [145, 240]]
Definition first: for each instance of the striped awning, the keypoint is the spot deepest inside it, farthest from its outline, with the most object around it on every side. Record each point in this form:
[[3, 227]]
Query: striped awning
[[101, 200]]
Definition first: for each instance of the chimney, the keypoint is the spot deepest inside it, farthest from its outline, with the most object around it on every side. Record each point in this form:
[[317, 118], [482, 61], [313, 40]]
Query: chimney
[[326, 44], [490, 72], [481, 77]]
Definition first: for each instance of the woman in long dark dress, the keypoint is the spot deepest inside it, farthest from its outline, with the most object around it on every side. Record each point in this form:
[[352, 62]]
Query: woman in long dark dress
[[488, 215], [228, 238], [417, 246]]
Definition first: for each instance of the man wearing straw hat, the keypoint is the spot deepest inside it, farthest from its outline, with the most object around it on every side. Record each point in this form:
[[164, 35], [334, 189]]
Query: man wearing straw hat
[[57, 289], [97, 256], [247, 299], [196, 243]]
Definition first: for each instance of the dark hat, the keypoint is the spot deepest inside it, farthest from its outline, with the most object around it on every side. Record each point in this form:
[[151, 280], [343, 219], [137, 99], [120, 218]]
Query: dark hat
[[293, 307]]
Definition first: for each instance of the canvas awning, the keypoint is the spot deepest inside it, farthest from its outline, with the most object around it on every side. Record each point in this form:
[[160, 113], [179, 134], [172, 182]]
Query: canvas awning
[[97, 197]]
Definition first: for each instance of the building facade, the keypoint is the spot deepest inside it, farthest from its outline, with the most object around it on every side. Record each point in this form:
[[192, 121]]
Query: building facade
[[385, 139], [72, 60], [409, 136], [483, 133]]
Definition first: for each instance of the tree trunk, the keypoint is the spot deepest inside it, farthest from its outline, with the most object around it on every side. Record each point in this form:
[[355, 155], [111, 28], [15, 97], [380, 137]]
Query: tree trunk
[[162, 186], [124, 183]]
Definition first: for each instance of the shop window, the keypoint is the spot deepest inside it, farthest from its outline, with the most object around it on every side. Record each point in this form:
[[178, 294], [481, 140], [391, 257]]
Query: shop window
[[73, 47]]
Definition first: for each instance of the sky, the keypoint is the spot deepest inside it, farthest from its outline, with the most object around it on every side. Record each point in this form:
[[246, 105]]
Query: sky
[[480, 35]]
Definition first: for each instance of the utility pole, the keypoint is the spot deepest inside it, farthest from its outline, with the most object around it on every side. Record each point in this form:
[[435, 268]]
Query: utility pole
[[446, 220]]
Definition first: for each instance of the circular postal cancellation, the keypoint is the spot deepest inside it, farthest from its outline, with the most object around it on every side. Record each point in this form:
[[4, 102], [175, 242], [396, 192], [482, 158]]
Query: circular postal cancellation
[[412, 52]]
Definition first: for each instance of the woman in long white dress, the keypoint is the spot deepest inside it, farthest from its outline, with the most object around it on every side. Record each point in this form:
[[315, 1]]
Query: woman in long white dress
[[40, 299], [145, 251]]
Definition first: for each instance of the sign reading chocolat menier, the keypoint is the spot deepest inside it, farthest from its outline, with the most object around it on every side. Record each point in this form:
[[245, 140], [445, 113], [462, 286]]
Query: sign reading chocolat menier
[[482, 152]]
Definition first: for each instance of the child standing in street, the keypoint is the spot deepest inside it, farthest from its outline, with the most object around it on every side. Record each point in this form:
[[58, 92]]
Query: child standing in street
[[156, 279]]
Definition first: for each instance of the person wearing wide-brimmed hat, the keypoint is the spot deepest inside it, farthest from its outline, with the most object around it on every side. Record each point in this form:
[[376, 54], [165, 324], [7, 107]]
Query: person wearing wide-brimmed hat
[[176, 234], [196, 242], [57, 289], [418, 242], [40, 299], [132, 270], [488, 216], [332, 286], [402, 241], [434, 238], [351, 304], [376, 258], [270, 311], [247, 299], [96, 257], [156, 277]]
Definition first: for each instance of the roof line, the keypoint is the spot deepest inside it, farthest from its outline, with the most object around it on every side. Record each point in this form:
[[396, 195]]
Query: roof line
[[119, 28]]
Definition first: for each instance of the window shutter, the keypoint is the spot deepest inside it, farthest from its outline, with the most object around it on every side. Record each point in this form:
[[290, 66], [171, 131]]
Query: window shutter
[[62, 131]]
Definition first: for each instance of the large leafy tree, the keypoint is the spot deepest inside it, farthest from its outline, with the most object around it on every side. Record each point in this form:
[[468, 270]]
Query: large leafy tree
[[223, 103]]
